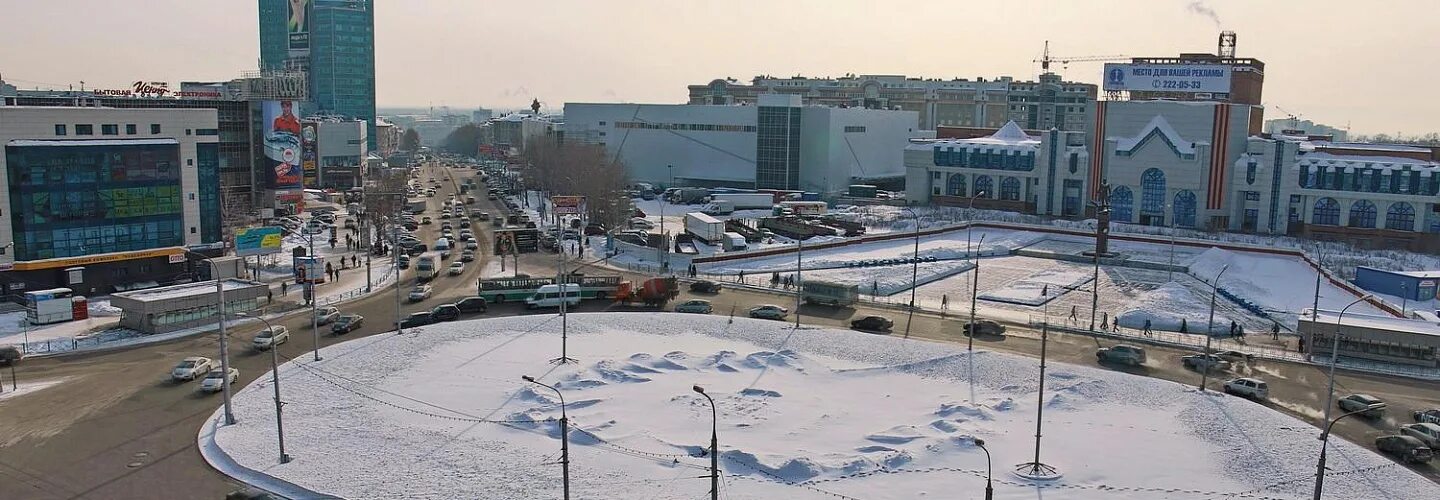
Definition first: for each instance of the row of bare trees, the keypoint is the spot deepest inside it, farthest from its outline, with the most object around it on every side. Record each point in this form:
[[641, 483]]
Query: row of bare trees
[[575, 169]]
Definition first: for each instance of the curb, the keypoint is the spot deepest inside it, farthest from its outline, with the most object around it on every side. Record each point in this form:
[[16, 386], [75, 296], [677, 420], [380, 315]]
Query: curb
[[221, 461]]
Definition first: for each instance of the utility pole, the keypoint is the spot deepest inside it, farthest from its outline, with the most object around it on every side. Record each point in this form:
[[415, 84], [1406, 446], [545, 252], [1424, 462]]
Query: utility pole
[[564, 435], [974, 289], [799, 251], [1210, 326]]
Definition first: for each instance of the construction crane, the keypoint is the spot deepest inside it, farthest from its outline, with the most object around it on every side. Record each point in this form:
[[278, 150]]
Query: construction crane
[[1065, 61], [1294, 118]]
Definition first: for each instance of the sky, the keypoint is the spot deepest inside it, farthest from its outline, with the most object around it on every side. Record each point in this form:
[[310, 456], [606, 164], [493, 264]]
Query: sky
[[1326, 60]]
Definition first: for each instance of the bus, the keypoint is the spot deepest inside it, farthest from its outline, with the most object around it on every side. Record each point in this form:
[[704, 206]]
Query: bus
[[416, 205], [829, 293], [427, 266], [500, 290]]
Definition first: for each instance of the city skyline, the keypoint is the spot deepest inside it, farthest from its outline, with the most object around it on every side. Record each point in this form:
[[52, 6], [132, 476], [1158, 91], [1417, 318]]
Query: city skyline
[[661, 49]]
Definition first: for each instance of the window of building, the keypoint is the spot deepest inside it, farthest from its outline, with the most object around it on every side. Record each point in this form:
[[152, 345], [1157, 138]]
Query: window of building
[[984, 187], [1326, 213], [853, 129], [1185, 209], [84, 129], [1010, 189], [602, 124], [1250, 172], [130, 129], [1400, 217], [1122, 204], [154, 128], [1152, 191], [955, 186], [109, 129], [211, 131], [59, 129], [1362, 214]]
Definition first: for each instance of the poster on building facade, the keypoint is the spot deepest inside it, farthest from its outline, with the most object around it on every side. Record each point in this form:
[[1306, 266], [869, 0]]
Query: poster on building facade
[[298, 26], [258, 240], [282, 144], [309, 155], [568, 205], [1205, 78]]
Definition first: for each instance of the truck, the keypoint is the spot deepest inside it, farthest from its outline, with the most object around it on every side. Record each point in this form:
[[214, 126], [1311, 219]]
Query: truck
[[416, 205], [804, 207], [500, 290], [427, 266], [829, 293], [690, 196], [718, 207], [733, 241], [653, 292], [746, 201], [706, 228]]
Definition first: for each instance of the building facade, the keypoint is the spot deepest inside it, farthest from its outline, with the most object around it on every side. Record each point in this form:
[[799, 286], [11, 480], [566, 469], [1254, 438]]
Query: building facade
[[333, 41], [388, 140], [102, 199], [514, 130], [779, 144], [1042, 104], [341, 153], [1008, 170]]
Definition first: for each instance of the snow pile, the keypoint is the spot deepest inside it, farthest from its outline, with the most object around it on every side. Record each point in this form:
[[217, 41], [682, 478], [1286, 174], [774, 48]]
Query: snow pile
[[889, 280], [442, 412], [103, 308], [1279, 284], [1028, 291], [1166, 307]]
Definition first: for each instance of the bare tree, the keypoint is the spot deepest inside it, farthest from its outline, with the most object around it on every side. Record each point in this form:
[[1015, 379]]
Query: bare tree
[[556, 168]]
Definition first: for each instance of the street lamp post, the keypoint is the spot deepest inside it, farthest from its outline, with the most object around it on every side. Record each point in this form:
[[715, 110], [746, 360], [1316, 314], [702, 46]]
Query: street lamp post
[[564, 435], [714, 445], [989, 488], [1335, 353], [1210, 326], [974, 290], [224, 338], [970, 219], [275, 380], [799, 252], [1035, 469], [1325, 445], [914, 270], [314, 300]]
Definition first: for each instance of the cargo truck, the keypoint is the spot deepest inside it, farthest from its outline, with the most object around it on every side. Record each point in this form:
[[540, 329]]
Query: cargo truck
[[706, 228], [746, 201], [653, 292]]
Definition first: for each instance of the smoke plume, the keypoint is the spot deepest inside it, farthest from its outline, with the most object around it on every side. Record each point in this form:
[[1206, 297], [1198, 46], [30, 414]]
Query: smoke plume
[[1198, 7]]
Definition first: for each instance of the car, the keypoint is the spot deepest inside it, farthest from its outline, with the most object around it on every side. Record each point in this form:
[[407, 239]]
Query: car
[[426, 220], [984, 327], [417, 319], [403, 261], [456, 268], [1427, 433], [1234, 356], [472, 245], [411, 226], [191, 367], [445, 312], [216, 380], [698, 306], [639, 223], [324, 315], [491, 196], [1368, 406], [468, 255], [444, 215], [473, 305], [464, 222], [872, 323], [705, 286], [420, 292], [1431, 416], [466, 236], [1200, 362], [346, 324], [481, 215], [1122, 353], [1247, 387], [445, 254], [1407, 448], [768, 311], [417, 249], [270, 337]]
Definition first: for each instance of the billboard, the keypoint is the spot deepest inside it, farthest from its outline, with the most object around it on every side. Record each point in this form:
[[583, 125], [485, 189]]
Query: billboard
[[309, 155], [298, 27], [568, 205], [282, 144], [258, 240], [1211, 78]]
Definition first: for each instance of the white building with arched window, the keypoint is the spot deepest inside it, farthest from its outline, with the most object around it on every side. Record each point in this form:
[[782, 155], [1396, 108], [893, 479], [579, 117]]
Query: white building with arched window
[[1008, 170]]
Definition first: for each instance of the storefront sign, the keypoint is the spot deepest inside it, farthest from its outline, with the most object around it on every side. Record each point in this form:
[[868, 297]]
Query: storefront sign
[[308, 155], [97, 259], [159, 89], [258, 240]]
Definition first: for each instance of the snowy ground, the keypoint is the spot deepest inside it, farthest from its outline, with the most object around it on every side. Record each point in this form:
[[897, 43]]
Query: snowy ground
[[813, 413], [28, 387]]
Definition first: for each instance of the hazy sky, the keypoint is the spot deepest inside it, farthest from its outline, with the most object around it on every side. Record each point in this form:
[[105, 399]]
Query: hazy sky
[[1372, 65]]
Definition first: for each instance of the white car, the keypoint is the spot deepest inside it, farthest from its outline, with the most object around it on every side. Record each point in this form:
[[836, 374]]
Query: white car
[[271, 337], [216, 380], [457, 268], [420, 293], [325, 315], [768, 311], [1427, 433], [190, 368], [1247, 387]]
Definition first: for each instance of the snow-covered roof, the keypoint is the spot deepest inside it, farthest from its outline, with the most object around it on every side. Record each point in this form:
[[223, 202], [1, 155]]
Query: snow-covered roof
[[1380, 162], [186, 290], [1420, 274], [92, 142], [1158, 127], [1010, 137], [1375, 321]]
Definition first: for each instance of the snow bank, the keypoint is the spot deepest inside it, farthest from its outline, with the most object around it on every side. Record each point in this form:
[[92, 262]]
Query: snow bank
[[1277, 283], [1167, 306], [1059, 280]]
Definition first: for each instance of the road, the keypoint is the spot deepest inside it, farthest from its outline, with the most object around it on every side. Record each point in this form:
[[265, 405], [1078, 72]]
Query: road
[[118, 428]]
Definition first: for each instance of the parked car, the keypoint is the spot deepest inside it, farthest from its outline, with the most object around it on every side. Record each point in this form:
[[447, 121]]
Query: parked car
[[271, 337], [1247, 387], [698, 306], [216, 380], [1201, 361], [1359, 402], [191, 367], [473, 305], [705, 286], [874, 323], [1122, 353], [456, 268], [639, 223], [768, 311], [420, 292], [416, 319], [346, 324], [1234, 356], [1407, 448], [1427, 433], [445, 312], [325, 315], [1431, 416], [985, 327]]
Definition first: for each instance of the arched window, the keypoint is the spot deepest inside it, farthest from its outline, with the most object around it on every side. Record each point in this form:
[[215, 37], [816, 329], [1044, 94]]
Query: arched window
[[1152, 191], [984, 187], [1400, 217], [1185, 209], [1362, 214], [1122, 204], [1010, 189], [955, 186], [1326, 213]]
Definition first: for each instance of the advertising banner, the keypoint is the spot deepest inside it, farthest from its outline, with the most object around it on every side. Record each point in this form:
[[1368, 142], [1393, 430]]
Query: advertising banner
[[282, 144], [299, 24], [258, 240], [308, 155], [1209, 78], [568, 205]]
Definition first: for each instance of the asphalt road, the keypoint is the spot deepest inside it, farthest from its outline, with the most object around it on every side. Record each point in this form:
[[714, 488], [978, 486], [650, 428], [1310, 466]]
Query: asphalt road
[[118, 428]]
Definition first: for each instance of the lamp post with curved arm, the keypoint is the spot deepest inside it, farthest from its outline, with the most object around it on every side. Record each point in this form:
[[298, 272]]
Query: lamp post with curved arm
[[564, 435], [1324, 446], [1210, 326], [714, 445], [1335, 352], [989, 488], [224, 338], [275, 380], [914, 270]]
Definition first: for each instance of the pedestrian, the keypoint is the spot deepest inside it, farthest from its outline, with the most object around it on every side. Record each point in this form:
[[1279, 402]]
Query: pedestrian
[[944, 302], [269, 296], [1232, 329], [332, 243], [1184, 326], [875, 287], [1275, 331], [1115, 326], [1300, 345], [742, 276], [1104, 320], [774, 279], [1075, 313], [329, 269], [1146, 330], [284, 288]]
